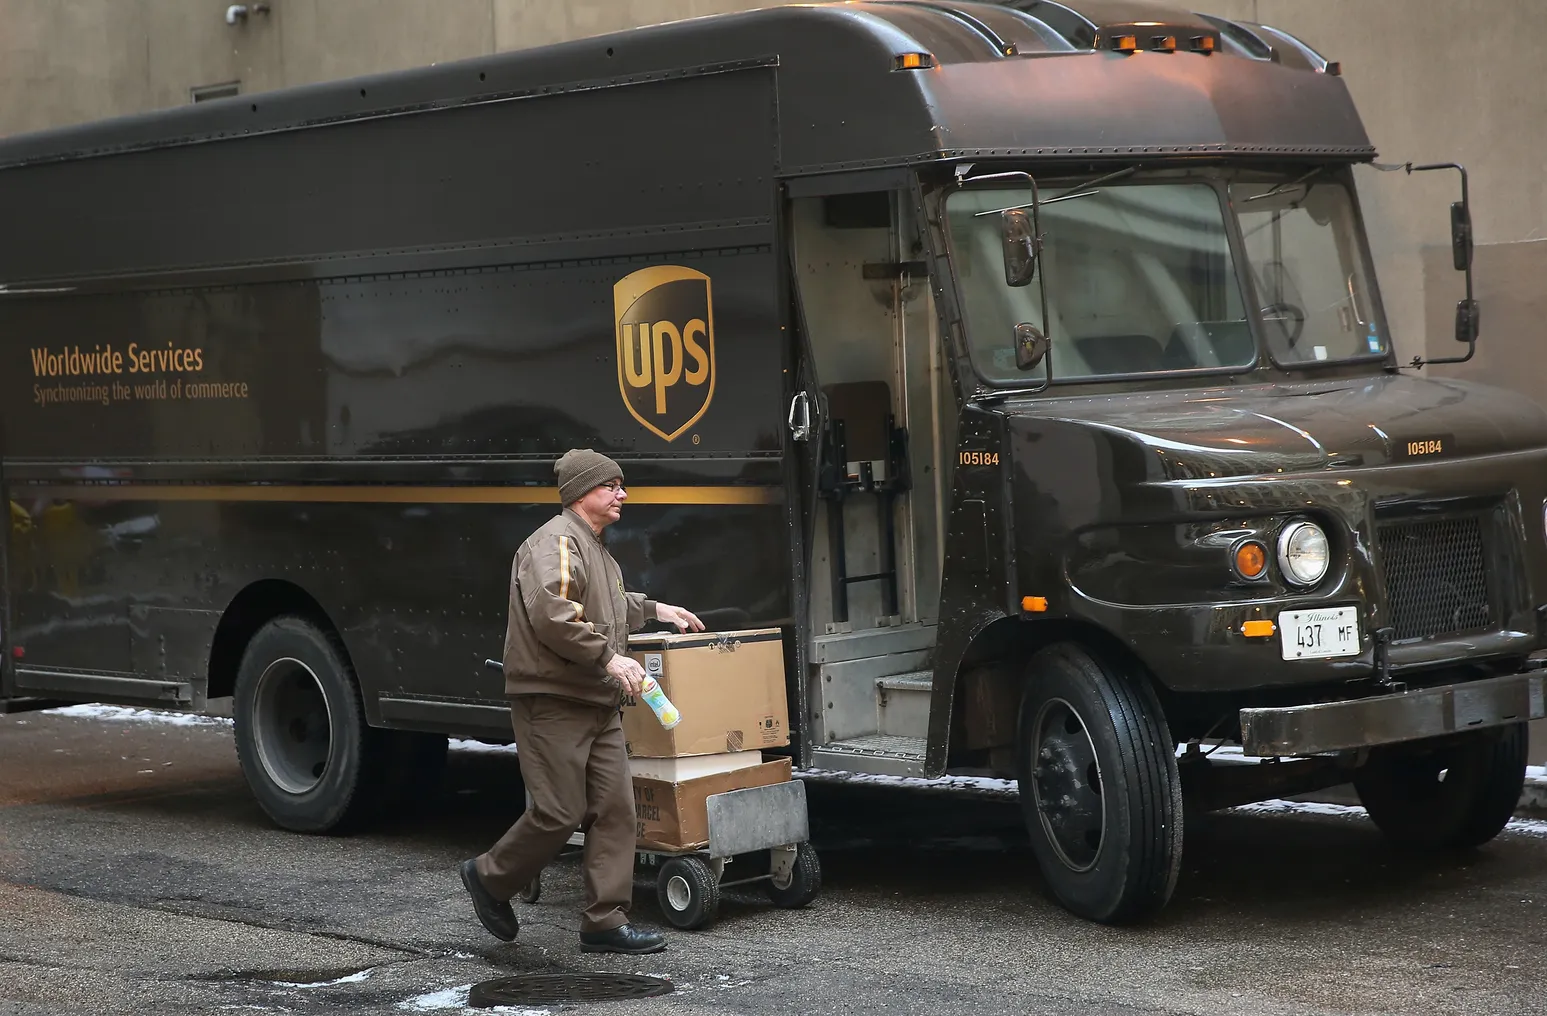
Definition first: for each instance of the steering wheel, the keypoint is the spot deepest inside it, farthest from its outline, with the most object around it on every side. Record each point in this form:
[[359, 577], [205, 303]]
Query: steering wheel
[[1287, 316]]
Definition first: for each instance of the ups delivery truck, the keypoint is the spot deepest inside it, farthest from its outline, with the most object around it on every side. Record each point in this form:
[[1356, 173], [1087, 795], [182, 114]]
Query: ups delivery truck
[[1023, 363]]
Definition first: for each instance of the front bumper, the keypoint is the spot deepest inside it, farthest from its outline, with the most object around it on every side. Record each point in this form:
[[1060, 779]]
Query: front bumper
[[1386, 719]]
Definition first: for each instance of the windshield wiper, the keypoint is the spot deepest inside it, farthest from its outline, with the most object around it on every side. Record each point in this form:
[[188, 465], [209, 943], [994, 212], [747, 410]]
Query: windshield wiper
[[1081, 190], [1281, 188]]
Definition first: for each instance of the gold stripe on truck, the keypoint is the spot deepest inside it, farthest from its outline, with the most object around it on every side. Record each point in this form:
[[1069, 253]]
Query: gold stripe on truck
[[372, 494]]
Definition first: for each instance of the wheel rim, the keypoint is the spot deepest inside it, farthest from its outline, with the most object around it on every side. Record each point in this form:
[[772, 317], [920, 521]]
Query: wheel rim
[[1067, 786], [786, 881], [293, 726], [678, 893]]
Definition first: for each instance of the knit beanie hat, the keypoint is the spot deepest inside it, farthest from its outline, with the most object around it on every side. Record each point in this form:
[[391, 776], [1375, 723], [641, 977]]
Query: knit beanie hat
[[580, 471]]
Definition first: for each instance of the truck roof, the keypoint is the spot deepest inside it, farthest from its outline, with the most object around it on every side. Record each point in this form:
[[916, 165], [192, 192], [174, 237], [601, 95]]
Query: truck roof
[[870, 84]]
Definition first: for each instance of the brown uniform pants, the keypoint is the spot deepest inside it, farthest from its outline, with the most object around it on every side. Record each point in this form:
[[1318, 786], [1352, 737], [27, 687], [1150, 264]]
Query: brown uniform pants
[[575, 764]]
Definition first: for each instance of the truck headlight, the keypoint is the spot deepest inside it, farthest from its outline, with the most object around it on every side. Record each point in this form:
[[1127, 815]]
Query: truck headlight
[[1303, 553]]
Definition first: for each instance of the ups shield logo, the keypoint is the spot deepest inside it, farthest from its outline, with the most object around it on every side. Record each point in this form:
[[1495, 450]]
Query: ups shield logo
[[665, 323]]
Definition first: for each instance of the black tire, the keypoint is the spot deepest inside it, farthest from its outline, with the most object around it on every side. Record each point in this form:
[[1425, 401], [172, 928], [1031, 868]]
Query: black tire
[[804, 883], [688, 892], [1099, 785], [311, 760], [1448, 795], [533, 890]]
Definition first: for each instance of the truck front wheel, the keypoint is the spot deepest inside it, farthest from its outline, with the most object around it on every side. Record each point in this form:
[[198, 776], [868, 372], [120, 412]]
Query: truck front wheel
[[1445, 795], [1099, 785]]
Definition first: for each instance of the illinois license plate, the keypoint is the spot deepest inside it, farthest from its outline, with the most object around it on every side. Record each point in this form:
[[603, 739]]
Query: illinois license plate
[[1318, 634]]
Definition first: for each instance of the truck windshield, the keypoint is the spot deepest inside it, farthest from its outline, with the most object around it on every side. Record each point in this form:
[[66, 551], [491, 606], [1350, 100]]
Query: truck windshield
[[1302, 242], [1140, 278]]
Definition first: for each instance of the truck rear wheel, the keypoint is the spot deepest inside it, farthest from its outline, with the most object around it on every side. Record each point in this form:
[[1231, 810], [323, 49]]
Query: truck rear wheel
[[1099, 786], [1448, 795], [301, 737]]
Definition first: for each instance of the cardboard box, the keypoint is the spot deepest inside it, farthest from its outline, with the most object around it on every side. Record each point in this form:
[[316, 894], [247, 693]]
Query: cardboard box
[[728, 686], [674, 815], [691, 767]]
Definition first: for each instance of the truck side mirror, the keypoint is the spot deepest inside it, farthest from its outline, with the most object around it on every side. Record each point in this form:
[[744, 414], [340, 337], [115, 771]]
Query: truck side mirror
[[1468, 320], [1468, 314], [1020, 247], [1031, 346], [1460, 235]]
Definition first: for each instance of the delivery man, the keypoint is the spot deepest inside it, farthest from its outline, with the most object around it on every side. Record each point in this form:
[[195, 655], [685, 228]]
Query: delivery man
[[565, 669]]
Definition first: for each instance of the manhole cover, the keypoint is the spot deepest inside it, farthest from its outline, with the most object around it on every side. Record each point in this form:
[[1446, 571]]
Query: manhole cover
[[539, 989]]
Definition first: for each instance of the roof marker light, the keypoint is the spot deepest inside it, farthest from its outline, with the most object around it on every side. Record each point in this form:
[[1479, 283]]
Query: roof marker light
[[1204, 44], [914, 61], [1125, 43], [1163, 43]]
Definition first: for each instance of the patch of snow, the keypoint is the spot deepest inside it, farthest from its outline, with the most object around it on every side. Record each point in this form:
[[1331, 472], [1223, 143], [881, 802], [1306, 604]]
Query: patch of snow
[[1527, 827], [479, 747], [981, 785], [455, 999], [438, 1001], [1277, 807], [1523, 826], [347, 979], [124, 714]]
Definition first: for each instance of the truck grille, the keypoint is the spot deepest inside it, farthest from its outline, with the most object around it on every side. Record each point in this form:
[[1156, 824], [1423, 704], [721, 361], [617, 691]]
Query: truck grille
[[1436, 575]]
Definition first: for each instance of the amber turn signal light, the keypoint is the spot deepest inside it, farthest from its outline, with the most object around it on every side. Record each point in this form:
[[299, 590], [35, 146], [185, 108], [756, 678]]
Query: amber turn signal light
[[1251, 560], [1034, 604]]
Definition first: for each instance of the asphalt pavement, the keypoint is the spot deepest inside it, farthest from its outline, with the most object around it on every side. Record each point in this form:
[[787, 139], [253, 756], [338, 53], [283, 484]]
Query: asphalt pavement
[[138, 875]]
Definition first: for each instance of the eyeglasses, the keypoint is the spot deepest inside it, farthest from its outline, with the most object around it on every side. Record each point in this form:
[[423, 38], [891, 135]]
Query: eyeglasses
[[615, 487]]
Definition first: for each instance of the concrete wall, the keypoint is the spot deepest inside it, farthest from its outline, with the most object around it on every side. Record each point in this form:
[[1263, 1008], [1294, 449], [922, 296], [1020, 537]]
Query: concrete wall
[[1445, 81], [66, 61]]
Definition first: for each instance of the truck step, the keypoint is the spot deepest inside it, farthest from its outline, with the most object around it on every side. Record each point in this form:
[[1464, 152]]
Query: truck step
[[902, 704], [882, 754], [854, 645], [852, 692]]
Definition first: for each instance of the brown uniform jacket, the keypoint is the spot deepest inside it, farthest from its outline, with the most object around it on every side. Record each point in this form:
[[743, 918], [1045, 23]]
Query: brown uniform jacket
[[569, 614]]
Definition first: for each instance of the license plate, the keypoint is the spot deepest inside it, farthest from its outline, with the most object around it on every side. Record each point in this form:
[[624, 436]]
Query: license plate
[[1318, 634]]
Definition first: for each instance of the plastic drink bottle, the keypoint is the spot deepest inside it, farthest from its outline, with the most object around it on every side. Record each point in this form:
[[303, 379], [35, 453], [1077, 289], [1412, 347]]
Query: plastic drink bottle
[[659, 704]]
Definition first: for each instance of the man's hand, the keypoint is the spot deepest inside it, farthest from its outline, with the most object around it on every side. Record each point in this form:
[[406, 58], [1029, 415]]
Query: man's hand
[[627, 673], [683, 619]]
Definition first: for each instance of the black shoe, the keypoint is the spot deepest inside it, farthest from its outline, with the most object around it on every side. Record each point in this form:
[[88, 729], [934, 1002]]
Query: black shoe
[[622, 939], [495, 915]]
